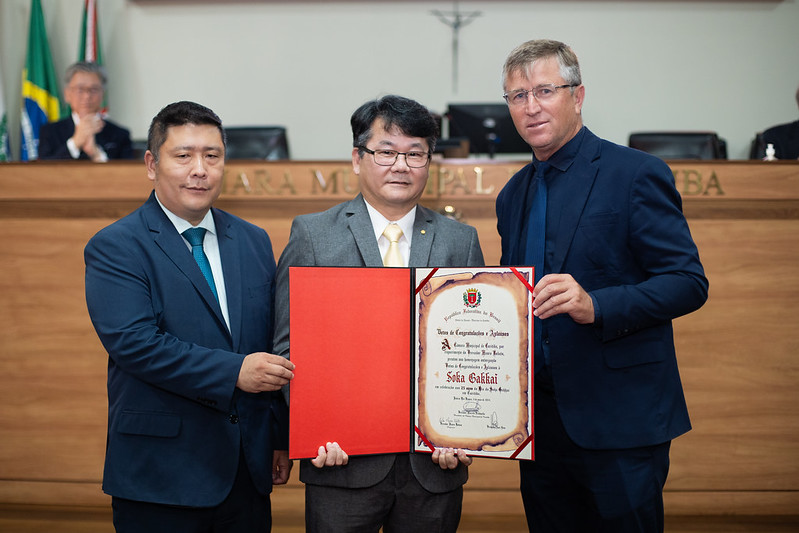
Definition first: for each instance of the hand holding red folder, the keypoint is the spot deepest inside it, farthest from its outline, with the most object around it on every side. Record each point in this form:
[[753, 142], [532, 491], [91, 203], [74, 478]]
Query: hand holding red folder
[[262, 372], [330, 454], [447, 458]]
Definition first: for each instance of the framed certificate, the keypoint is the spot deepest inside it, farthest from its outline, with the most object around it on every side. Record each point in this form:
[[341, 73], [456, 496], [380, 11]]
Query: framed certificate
[[395, 360], [473, 355]]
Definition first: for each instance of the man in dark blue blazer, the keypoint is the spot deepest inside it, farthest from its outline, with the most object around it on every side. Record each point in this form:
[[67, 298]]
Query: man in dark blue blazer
[[86, 134], [615, 263], [181, 295]]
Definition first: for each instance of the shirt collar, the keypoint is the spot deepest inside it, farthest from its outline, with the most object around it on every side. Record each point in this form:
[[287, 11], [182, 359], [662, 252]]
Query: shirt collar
[[379, 222], [182, 225], [564, 157]]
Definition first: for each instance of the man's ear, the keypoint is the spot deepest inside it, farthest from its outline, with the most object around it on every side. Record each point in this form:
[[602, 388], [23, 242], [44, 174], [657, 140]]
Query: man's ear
[[149, 162], [356, 161]]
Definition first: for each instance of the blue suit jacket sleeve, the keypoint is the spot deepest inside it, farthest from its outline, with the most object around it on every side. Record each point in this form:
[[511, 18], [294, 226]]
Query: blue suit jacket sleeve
[[663, 276]]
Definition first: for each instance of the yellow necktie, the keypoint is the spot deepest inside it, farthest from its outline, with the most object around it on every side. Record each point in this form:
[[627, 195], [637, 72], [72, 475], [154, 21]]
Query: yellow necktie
[[393, 256]]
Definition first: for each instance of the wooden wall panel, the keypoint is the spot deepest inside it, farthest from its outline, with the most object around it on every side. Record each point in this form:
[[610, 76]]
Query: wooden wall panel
[[738, 360], [738, 354]]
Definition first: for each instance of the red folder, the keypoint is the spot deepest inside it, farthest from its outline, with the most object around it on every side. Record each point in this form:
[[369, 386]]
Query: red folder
[[350, 342]]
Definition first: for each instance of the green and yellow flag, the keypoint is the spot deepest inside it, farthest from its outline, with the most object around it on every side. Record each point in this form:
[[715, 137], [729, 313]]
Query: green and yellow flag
[[41, 102], [5, 151]]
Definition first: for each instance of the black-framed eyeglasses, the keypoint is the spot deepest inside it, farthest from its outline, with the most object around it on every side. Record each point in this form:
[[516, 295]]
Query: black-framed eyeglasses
[[387, 158], [542, 93]]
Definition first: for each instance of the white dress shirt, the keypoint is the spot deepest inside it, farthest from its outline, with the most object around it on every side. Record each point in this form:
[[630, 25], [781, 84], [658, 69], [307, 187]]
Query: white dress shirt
[[74, 151], [379, 223], [211, 249]]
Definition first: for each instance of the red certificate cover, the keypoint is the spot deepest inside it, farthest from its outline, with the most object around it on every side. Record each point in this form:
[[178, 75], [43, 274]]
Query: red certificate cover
[[350, 342]]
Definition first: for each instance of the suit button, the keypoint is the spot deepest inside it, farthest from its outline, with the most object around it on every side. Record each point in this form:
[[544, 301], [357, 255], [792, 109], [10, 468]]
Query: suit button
[[234, 419]]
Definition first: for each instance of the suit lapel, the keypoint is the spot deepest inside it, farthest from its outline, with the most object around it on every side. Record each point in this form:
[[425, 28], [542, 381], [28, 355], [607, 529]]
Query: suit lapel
[[174, 247], [67, 127], [517, 218], [422, 238], [107, 139], [232, 270], [581, 179], [363, 232]]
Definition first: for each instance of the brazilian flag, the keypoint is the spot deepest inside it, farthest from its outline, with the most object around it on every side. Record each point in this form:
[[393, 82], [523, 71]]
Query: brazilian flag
[[5, 151], [41, 102]]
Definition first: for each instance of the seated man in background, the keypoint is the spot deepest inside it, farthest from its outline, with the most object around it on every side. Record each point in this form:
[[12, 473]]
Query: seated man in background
[[86, 134], [784, 138]]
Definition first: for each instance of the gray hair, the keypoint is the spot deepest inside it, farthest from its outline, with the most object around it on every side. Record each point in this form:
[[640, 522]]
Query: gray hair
[[521, 59], [85, 66]]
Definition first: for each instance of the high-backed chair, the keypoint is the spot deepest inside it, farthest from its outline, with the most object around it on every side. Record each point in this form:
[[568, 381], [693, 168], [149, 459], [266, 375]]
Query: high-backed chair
[[257, 142], [757, 148], [680, 144], [139, 146]]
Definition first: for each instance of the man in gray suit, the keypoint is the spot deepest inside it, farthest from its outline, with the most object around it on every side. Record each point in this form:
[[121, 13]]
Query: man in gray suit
[[393, 139]]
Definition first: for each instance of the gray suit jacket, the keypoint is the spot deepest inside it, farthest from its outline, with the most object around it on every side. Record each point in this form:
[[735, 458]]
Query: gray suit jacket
[[343, 236]]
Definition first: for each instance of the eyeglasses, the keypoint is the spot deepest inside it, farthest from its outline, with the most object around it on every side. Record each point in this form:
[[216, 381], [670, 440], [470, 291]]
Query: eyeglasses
[[91, 91], [542, 93], [387, 158]]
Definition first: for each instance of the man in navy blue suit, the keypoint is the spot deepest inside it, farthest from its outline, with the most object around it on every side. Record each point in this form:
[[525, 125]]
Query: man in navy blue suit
[[181, 296], [615, 264], [86, 134]]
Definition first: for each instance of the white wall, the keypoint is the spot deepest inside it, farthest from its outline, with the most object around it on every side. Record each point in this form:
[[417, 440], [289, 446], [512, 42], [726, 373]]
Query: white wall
[[728, 66]]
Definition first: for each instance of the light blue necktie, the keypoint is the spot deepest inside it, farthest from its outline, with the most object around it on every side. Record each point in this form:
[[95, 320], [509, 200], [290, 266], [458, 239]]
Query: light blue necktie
[[195, 237], [534, 251]]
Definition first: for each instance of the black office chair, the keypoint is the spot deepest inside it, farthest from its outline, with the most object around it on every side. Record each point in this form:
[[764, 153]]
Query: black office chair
[[680, 144], [139, 146], [257, 142], [757, 148]]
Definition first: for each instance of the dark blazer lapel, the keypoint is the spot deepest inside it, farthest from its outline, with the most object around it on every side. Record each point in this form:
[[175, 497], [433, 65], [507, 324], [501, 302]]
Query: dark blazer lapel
[[231, 267], [517, 218], [66, 128], [422, 238], [360, 225], [581, 178], [107, 138], [174, 247]]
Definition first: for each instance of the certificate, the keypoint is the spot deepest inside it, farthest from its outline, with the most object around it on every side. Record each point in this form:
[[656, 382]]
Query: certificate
[[473, 370], [393, 360]]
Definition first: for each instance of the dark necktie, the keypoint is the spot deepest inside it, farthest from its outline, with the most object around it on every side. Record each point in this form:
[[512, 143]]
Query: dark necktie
[[534, 251], [195, 237]]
